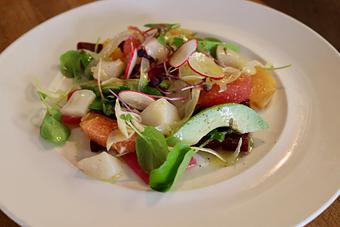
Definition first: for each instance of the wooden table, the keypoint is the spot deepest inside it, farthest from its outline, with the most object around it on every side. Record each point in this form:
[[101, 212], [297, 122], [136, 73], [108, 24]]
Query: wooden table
[[19, 16]]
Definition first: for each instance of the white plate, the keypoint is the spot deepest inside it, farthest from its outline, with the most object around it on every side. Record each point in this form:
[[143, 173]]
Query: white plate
[[289, 178]]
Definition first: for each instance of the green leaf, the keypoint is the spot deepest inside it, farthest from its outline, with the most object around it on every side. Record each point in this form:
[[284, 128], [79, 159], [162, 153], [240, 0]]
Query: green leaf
[[164, 177], [152, 91], [210, 46], [52, 129], [108, 107], [165, 84], [216, 135], [55, 113], [73, 64], [42, 95], [212, 39], [162, 26], [126, 117], [232, 46], [96, 105], [161, 39], [105, 106], [177, 41], [151, 149], [70, 64], [93, 86]]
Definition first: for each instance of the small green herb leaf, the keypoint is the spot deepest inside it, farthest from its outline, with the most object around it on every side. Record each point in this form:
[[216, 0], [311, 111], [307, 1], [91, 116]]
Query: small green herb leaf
[[165, 84], [177, 41], [151, 149], [164, 177], [73, 64], [151, 91], [108, 107], [207, 45], [212, 39], [55, 113], [161, 39], [93, 86], [162, 26], [42, 95], [96, 105], [216, 135], [52, 129], [126, 117]]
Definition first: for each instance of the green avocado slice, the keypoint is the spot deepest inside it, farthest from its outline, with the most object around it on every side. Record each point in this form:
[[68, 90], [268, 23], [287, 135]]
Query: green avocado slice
[[236, 116]]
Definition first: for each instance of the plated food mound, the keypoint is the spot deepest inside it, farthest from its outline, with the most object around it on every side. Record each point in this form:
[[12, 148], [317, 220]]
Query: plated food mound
[[156, 99]]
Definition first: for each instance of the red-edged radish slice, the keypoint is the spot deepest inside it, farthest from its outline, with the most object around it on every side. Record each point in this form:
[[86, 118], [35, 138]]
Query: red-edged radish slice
[[70, 120], [135, 99], [131, 64], [205, 66], [182, 54]]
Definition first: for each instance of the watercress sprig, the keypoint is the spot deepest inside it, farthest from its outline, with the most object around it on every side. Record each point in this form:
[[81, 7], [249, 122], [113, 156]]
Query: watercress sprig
[[51, 128]]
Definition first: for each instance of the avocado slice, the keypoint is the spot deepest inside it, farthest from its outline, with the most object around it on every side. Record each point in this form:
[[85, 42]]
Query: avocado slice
[[236, 116]]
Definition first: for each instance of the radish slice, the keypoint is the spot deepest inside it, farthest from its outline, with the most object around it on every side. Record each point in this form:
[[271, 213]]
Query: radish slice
[[205, 66], [183, 53], [131, 64], [78, 104], [135, 99], [70, 120]]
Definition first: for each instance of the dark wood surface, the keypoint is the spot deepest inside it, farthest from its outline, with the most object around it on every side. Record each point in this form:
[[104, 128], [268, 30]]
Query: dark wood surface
[[19, 16]]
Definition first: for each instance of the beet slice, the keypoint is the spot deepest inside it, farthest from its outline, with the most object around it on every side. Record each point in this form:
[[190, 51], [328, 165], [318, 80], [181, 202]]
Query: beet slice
[[231, 141], [95, 147], [89, 46]]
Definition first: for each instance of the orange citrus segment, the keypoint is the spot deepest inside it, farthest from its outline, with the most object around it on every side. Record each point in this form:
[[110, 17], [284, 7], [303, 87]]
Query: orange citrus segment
[[263, 88]]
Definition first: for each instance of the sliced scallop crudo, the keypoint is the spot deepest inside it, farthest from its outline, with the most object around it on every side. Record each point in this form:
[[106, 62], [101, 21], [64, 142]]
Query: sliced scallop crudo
[[135, 99], [182, 54], [229, 57], [108, 69], [131, 63], [205, 66], [78, 104], [156, 50], [102, 166], [160, 114]]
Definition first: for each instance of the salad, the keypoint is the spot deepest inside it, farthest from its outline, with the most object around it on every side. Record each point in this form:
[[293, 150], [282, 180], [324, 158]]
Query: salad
[[155, 99]]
